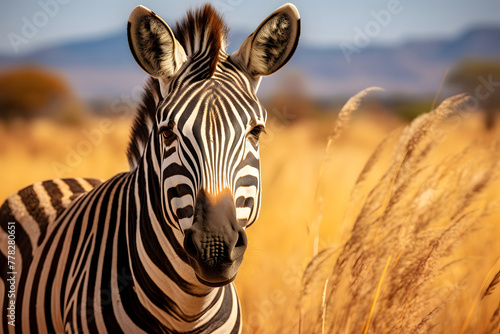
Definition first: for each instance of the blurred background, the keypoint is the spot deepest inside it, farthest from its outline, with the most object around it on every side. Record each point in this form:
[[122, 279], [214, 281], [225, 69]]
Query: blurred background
[[66, 74], [77, 52]]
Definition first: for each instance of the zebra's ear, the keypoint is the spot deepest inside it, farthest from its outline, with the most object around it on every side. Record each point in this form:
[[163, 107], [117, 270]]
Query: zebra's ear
[[272, 44], [153, 44]]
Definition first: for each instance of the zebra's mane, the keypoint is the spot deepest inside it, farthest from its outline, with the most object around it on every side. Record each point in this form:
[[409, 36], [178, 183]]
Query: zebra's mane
[[143, 123], [201, 33]]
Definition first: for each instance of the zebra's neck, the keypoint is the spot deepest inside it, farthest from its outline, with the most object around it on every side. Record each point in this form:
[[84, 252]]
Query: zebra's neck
[[164, 282]]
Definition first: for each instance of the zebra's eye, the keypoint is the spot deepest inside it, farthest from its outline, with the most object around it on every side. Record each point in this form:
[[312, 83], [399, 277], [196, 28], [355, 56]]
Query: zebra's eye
[[167, 133], [257, 130]]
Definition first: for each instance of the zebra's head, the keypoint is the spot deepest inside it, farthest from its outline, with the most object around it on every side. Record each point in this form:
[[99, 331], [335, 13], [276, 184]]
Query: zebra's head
[[205, 128]]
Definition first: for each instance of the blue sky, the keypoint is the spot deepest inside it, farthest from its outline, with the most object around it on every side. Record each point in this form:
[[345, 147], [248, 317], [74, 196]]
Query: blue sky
[[324, 22]]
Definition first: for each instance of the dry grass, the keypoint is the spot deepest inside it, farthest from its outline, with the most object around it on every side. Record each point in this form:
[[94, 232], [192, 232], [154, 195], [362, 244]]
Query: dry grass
[[406, 225], [411, 250], [417, 212]]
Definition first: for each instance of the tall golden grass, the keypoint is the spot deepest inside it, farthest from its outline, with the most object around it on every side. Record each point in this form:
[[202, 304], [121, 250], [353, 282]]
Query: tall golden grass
[[406, 246], [405, 227], [383, 227]]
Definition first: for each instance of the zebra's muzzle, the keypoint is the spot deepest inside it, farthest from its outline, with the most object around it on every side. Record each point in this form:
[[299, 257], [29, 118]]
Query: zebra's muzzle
[[216, 242]]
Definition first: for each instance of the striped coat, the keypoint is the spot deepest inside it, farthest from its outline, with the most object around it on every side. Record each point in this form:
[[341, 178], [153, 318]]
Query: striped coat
[[155, 249]]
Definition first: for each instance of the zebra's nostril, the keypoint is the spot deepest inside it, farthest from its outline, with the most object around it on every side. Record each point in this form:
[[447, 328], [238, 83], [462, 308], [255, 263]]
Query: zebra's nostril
[[242, 239], [189, 245], [240, 246]]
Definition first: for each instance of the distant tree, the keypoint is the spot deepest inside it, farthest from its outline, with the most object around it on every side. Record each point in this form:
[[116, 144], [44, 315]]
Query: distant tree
[[32, 91], [481, 79]]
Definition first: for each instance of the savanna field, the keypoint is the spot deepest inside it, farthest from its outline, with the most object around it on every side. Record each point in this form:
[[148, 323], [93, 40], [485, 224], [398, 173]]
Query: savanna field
[[368, 225]]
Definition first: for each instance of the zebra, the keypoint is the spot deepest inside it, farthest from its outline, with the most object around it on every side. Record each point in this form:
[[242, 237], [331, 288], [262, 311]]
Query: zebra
[[154, 249]]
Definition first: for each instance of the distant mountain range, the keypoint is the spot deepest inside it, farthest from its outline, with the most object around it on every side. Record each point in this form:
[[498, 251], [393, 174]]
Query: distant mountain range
[[105, 67]]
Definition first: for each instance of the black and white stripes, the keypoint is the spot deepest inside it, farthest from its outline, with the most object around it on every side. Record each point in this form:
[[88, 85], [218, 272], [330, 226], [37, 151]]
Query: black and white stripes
[[155, 249]]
